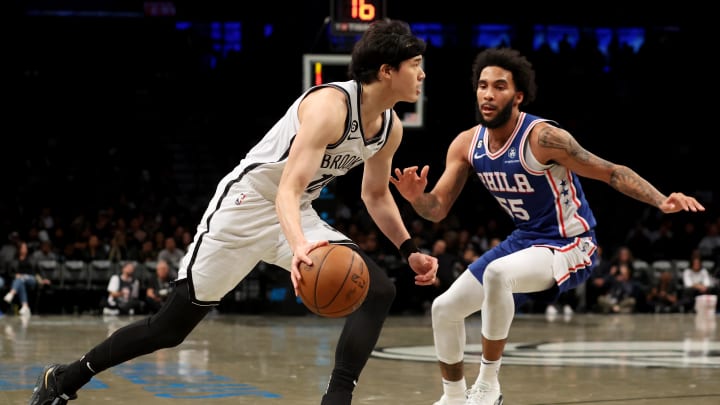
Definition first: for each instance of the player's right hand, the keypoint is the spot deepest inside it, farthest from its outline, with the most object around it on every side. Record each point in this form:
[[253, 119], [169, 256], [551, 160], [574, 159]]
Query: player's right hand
[[409, 184], [300, 255]]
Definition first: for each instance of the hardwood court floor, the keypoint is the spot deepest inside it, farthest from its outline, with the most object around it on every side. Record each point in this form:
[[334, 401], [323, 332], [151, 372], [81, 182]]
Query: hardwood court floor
[[243, 359]]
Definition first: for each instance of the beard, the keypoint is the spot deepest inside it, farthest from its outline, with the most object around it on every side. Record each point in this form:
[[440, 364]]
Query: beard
[[500, 120]]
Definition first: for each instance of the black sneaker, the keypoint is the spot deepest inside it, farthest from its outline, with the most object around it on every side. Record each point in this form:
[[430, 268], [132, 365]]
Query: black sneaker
[[46, 391]]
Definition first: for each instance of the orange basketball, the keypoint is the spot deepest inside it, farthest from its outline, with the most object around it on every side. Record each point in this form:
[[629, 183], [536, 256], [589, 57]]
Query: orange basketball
[[337, 282]]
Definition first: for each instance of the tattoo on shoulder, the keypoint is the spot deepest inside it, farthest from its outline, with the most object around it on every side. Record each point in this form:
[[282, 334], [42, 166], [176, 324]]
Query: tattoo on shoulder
[[553, 137]]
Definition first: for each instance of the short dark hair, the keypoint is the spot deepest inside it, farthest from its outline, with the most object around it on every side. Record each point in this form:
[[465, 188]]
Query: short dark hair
[[513, 61], [385, 42]]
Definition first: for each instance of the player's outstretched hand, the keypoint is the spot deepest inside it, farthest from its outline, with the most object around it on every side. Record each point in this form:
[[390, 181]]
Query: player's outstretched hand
[[680, 202], [425, 267], [408, 183]]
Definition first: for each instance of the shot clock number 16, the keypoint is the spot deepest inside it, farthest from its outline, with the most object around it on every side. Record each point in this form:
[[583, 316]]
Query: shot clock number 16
[[352, 17]]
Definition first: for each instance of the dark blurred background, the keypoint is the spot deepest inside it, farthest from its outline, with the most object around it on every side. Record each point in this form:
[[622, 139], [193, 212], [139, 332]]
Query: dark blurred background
[[143, 106]]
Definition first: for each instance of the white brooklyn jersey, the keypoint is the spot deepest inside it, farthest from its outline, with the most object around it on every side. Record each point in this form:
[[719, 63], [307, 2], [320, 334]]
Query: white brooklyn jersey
[[240, 226], [264, 163]]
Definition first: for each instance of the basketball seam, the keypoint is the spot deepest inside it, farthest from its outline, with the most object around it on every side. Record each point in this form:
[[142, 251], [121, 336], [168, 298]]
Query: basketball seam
[[348, 272], [317, 279]]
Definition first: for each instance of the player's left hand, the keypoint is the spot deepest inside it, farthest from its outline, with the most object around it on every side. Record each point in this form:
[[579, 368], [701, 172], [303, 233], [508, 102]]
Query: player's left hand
[[425, 267], [680, 202]]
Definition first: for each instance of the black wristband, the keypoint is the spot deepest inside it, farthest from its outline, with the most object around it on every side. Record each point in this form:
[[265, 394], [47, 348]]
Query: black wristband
[[407, 248]]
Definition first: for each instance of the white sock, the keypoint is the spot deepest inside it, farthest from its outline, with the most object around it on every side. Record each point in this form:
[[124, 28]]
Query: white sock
[[489, 372], [454, 389]]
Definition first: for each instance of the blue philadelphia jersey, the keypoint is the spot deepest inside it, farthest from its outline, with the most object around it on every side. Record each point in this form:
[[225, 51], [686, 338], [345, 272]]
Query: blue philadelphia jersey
[[544, 201]]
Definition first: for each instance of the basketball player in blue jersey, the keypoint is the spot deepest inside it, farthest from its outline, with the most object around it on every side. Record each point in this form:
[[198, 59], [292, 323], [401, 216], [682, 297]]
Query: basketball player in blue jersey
[[262, 211], [532, 168]]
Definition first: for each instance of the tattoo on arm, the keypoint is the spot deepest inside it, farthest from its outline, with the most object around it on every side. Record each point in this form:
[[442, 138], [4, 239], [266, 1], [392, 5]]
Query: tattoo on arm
[[626, 181], [622, 179], [553, 137], [427, 206]]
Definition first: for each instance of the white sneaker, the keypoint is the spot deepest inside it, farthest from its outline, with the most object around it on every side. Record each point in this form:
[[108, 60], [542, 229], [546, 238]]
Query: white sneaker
[[567, 310], [25, 311], [111, 311], [551, 310], [483, 394], [445, 400], [9, 297]]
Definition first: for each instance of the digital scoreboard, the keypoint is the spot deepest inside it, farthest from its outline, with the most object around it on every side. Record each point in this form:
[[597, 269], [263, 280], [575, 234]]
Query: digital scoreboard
[[353, 17]]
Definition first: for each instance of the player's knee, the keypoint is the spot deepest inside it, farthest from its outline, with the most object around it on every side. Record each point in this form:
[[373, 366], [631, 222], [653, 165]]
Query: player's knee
[[171, 338], [444, 308], [494, 277]]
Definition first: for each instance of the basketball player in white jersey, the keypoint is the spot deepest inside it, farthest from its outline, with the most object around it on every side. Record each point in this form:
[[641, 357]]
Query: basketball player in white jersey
[[262, 211], [531, 167]]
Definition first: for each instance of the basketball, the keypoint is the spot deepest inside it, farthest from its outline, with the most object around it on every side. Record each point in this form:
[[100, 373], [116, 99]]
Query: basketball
[[337, 282]]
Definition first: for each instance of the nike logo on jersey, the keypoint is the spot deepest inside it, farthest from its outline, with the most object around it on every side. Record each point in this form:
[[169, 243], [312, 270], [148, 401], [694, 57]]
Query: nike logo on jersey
[[478, 156], [354, 136]]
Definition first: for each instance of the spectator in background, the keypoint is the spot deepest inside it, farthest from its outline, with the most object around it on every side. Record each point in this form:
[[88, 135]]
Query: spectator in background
[[696, 281], [709, 244], [118, 246], [124, 293], [566, 301], [621, 298], [447, 268], [45, 252], [8, 251], [604, 276], [185, 239], [663, 296], [471, 253], [586, 302], [26, 279], [95, 249], [147, 253], [171, 253], [159, 286]]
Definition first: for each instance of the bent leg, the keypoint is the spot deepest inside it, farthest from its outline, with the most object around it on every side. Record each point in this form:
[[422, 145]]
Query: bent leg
[[167, 328], [528, 270], [449, 310]]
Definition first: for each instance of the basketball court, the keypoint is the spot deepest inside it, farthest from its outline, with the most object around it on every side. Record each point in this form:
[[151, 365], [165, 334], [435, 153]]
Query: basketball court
[[253, 359]]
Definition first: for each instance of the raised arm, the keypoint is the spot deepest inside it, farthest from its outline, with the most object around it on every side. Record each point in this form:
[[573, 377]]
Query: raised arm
[[552, 144], [435, 205]]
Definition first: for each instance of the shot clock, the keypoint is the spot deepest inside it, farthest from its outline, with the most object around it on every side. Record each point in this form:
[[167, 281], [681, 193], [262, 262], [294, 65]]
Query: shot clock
[[352, 17]]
